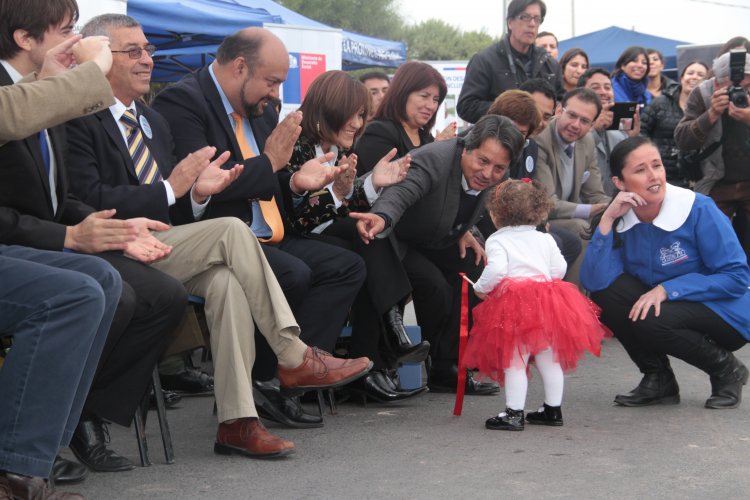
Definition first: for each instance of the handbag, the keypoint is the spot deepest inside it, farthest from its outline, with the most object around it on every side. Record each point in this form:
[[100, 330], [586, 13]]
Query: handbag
[[689, 163]]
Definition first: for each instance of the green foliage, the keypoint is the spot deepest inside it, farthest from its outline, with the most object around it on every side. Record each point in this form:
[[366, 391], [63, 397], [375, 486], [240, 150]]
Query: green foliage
[[431, 40]]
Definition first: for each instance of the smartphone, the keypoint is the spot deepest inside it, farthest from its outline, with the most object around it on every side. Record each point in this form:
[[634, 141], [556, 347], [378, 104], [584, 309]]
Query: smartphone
[[623, 113]]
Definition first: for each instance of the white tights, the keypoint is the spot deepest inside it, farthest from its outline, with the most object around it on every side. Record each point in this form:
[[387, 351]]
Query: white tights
[[516, 382]]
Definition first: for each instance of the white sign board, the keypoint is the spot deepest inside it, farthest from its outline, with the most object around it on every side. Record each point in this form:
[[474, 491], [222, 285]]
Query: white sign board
[[454, 73]]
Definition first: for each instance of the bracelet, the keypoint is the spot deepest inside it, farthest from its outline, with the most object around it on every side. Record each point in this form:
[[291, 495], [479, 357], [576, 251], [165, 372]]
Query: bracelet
[[291, 188]]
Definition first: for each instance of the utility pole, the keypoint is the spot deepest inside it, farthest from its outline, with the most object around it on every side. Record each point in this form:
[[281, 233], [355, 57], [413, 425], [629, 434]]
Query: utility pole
[[572, 18]]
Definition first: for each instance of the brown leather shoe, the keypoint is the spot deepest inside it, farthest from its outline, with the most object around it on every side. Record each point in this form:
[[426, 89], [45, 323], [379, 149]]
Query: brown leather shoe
[[320, 370], [24, 487], [247, 436]]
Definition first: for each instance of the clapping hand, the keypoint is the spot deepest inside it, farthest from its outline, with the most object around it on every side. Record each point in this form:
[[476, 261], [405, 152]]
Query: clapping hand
[[344, 181], [314, 174], [387, 172], [215, 179], [448, 132], [145, 247]]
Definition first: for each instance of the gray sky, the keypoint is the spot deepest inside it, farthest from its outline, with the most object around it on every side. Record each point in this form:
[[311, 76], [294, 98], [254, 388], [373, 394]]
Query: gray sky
[[695, 21]]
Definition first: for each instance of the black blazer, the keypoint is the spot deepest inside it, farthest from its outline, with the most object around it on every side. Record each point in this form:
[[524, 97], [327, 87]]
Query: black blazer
[[194, 111], [103, 174], [381, 136], [26, 215]]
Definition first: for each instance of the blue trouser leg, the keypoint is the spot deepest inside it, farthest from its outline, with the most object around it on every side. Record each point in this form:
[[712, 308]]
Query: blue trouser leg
[[58, 308]]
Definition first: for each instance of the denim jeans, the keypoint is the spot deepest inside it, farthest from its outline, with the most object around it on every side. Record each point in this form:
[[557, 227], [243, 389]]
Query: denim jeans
[[57, 307]]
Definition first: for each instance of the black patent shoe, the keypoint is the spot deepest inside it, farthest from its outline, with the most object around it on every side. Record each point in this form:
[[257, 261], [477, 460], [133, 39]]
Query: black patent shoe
[[654, 389], [399, 348], [375, 385], [447, 380], [89, 445], [189, 382], [509, 420], [66, 471], [288, 411], [546, 415]]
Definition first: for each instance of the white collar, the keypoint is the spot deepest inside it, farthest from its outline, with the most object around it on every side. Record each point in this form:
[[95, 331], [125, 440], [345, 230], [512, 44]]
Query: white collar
[[674, 211], [467, 189], [516, 229], [334, 149], [118, 109], [12, 72]]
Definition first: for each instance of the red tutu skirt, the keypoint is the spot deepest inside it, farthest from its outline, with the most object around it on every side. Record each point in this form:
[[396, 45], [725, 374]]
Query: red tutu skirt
[[526, 316]]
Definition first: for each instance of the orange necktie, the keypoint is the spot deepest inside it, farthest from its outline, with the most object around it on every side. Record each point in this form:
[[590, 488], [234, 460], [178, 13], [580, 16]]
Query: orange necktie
[[269, 209]]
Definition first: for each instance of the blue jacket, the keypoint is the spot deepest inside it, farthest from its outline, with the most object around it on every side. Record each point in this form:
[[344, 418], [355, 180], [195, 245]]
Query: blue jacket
[[690, 249]]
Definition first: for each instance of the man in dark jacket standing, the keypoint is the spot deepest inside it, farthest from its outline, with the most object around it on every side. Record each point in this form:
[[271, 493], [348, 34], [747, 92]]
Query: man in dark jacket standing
[[508, 63]]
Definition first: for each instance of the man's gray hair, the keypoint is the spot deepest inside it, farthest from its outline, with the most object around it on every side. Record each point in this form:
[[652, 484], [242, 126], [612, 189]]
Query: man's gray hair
[[101, 25], [497, 127], [721, 66]]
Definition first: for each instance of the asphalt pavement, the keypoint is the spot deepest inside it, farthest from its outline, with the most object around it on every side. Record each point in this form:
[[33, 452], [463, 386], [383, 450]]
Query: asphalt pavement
[[418, 449]]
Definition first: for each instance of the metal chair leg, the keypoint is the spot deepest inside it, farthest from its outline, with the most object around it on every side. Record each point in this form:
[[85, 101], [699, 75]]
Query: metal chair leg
[[161, 412]]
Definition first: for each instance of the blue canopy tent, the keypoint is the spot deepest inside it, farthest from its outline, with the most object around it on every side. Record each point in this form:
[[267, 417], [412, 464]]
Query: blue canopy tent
[[605, 46], [187, 33]]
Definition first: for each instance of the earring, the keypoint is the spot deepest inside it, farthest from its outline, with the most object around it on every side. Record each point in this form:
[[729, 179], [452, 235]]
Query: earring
[[317, 125]]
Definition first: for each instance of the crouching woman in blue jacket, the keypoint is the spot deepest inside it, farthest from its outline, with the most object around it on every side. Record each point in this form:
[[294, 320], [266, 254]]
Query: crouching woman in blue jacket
[[666, 268]]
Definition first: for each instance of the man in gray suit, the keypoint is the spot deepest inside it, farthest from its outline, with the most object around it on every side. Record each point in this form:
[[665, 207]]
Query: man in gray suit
[[429, 216], [567, 164]]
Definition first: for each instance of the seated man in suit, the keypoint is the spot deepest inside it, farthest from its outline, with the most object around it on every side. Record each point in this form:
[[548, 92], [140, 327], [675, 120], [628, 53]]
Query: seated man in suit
[[36, 211], [568, 166], [230, 105], [122, 157], [428, 215], [57, 306]]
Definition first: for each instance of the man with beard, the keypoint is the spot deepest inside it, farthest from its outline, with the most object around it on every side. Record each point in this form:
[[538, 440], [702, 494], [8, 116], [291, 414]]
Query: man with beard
[[230, 105]]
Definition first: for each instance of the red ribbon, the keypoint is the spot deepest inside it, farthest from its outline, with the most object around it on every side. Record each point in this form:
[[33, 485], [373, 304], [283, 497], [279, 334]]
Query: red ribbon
[[462, 339]]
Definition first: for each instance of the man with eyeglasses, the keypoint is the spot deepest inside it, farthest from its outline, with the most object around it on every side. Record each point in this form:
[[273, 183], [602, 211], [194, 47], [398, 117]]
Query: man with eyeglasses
[[508, 63], [567, 166]]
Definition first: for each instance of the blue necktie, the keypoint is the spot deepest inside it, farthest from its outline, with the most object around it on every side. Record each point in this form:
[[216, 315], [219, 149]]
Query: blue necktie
[[569, 150], [44, 146]]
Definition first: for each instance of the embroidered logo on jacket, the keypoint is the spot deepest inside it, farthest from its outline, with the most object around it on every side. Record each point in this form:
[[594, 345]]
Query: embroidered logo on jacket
[[672, 255]]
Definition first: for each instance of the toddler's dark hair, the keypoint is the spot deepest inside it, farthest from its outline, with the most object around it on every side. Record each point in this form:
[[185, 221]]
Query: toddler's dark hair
[[519, 203]]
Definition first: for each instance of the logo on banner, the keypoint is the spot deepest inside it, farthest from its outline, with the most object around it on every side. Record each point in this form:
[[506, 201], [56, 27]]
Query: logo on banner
[[303, 69]]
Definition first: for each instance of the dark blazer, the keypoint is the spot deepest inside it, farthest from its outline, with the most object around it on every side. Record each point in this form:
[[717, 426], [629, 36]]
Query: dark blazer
[[423, 207], [26, 215], [381, 136], [102, 171], [194, 111]]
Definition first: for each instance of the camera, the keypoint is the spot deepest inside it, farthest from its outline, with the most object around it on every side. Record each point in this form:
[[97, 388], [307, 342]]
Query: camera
[[737, 94]]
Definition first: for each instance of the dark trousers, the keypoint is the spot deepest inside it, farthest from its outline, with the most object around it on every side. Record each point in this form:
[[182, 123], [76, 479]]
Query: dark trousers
[[58, 308], [151, 307], [320, 282], [436, 284], [678, 330]]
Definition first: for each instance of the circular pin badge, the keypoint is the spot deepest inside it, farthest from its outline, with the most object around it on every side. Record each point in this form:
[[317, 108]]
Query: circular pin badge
[[529, 164], [145, 126]]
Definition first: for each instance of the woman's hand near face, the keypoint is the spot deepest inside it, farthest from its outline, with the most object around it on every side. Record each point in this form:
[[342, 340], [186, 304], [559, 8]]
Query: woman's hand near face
[[653, 297], [623, 202]]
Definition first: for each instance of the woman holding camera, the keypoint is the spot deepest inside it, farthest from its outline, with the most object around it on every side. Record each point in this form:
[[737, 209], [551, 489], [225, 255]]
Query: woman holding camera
[[671, 278]]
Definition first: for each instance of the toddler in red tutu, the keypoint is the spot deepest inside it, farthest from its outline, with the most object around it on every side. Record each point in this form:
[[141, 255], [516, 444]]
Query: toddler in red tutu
[[527, 309]]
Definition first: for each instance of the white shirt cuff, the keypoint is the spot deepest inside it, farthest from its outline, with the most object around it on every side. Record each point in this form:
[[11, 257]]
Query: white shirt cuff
[[170, 193], [198, 208], [370, 192]]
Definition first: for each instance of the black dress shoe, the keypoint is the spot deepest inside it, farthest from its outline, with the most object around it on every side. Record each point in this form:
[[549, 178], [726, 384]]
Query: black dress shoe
[[89, 445], [274, 406], [375, 386], [509, 420], [190, 382], [67, 471], [171, 399], [654, 388], [447, 380], [546, 415], [399, 348], [22, 487]]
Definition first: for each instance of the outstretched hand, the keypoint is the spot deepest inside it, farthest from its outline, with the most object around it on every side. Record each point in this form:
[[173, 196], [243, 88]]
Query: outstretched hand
[[314, 174], [369, 225], [58, 58], [215, 179], [469, 241], [386, 172]]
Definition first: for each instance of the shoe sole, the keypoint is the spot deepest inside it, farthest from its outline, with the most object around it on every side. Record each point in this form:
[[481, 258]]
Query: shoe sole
[[223, 449], [503, 428], [300, 389], [669, 400], [550, 424]]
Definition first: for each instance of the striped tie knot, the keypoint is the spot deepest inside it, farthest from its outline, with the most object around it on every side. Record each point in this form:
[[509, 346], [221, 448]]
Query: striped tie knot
[[128, 119]]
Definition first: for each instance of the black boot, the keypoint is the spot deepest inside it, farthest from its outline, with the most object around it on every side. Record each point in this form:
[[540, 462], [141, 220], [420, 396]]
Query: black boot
[[89, 445], [728, 375], [546, 415], [400, 348], [654, 388], [509, 420]]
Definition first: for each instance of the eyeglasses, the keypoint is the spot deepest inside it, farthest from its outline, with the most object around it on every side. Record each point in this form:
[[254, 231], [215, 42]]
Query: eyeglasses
[[135, 52], [575, 116], [527, 18]]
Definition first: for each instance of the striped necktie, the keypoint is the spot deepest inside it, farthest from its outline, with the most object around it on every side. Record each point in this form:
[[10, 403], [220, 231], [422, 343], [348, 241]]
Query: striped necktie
[[146, 168], [269, 209]]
